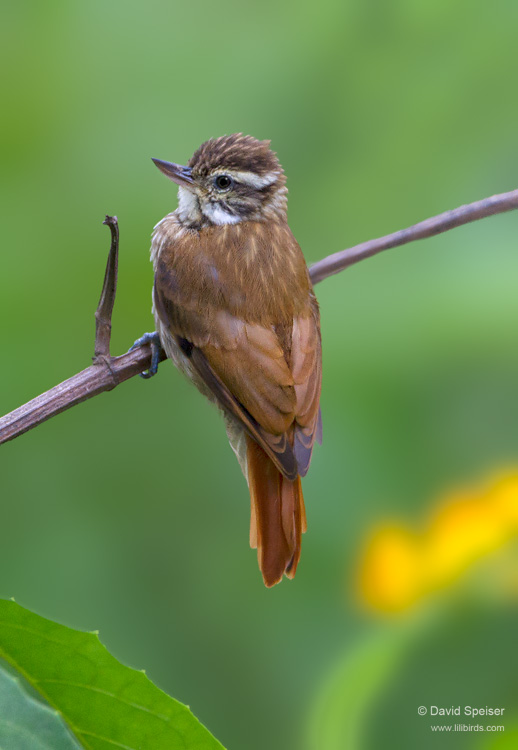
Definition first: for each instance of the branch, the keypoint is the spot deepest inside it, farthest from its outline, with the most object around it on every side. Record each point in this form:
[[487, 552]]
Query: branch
[[101, 376], [496, 204], [107, 372]]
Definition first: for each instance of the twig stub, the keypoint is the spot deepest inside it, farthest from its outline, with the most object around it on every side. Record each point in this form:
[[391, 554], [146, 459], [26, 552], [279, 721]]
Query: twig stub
[[103, 314]]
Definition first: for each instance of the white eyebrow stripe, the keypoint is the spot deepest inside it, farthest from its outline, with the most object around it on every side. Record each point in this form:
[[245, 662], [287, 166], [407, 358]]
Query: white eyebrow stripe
[[252, 179]]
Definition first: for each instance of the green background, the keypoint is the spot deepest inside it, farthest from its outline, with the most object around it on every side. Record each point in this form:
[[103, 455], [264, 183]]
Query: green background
[[129, 514]]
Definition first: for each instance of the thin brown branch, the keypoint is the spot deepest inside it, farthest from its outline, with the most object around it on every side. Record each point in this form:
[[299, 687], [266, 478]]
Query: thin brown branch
[[99, 377], [496, 204], [107, 372]]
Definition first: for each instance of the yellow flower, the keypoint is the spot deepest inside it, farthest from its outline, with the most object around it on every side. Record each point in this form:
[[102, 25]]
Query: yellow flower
[[400, 566]]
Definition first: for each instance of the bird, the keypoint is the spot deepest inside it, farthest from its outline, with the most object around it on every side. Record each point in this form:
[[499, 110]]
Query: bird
[[235, 311]]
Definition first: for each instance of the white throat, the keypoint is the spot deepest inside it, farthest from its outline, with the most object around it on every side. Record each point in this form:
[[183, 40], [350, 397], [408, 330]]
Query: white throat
[[216, 213], [188, 206]]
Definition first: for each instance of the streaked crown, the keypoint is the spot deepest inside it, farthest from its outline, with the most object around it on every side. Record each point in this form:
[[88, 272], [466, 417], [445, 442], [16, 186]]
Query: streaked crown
[[237, 152]]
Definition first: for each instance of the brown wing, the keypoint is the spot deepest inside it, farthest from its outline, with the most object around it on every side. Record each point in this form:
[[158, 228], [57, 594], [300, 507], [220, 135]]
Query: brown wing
[[254, 385], [268, 377], [306, 368]]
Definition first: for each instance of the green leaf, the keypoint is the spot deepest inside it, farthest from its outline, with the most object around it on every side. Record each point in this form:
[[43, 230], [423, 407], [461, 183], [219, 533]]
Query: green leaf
[[105, 704], [27, 724]]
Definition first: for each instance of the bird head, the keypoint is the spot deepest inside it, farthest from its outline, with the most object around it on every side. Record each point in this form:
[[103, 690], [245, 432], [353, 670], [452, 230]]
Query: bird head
[[228, 180]]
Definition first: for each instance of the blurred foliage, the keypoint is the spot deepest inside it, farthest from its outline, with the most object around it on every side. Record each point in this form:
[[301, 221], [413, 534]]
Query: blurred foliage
[[343, 708], [451, 593], [129, 513], [458, 655]]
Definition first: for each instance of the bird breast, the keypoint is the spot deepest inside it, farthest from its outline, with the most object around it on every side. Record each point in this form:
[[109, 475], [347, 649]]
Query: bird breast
[[254, 270]]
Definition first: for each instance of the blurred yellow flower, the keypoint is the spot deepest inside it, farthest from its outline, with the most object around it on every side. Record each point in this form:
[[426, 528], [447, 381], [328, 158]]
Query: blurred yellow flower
[[400, 566]]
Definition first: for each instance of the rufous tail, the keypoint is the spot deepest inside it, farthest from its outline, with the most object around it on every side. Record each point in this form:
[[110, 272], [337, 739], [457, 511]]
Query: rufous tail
[[278, 517]]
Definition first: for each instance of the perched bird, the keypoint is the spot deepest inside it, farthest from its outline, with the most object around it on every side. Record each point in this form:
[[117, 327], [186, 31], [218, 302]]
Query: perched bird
[[235, 310]]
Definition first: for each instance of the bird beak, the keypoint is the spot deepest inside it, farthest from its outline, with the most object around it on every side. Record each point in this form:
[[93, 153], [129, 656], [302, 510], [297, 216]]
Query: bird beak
[[175, 172]]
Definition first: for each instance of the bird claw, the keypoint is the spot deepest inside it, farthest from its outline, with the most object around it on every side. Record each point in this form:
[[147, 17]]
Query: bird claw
[[154, 341]]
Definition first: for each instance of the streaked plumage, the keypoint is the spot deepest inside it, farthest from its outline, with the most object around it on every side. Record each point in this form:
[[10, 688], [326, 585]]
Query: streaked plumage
[[235, 310]]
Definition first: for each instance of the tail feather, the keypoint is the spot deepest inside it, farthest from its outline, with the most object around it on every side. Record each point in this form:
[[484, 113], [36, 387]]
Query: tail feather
[[278, 517]]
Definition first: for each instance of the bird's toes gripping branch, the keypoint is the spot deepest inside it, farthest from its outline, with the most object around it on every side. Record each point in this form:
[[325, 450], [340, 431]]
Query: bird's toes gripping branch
[[156, 347]]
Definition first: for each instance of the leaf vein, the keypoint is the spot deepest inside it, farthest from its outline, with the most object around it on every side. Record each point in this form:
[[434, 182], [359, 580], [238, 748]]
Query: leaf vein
[[107, 693], [38, 633], [106, 739]]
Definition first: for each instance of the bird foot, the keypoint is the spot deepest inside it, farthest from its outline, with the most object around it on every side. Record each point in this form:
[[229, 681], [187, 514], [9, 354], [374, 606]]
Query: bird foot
[[154, 341]]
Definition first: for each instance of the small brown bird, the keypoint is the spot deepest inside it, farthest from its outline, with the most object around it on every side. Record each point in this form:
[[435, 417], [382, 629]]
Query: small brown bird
[[235, 311]]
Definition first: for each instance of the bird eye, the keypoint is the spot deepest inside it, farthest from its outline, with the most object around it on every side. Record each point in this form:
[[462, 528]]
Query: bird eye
[[223, 182]]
